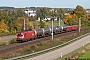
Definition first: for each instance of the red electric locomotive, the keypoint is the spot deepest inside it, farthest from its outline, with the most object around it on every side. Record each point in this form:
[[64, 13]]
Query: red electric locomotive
[[25, 35], [74, 27]]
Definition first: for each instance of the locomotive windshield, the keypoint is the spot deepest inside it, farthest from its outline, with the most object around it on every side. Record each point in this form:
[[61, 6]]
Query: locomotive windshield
[[20, 34]]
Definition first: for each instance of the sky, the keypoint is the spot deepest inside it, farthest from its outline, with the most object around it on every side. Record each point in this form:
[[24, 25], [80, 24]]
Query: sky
[[45, 3]]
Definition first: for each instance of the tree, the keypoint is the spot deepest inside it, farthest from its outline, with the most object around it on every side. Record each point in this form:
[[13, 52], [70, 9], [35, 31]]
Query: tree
[[32, 18], [10, 16], [81, 13], [42, 24], [21, 13], [71, 19], [43, 12], [67, 19], [59, 12], [3, 27], [19, 23]]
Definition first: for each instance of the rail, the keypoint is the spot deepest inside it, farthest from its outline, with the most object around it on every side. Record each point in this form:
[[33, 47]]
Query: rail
[[48, 48]]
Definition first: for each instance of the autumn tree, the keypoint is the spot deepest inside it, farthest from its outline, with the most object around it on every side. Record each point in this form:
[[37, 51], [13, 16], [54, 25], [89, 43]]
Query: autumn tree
[[3, 27], [42, 24], [67, 19], [71, 19], [19, 23], [32, 18], [81, 13], [10, 17]]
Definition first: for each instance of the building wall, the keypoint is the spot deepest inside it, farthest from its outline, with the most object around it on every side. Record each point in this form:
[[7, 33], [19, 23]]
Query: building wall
[[31, 12]]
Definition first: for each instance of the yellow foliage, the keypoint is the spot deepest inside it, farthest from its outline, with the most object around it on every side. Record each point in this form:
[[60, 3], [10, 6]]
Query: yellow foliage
[[3, 27], [67, 17], [71, 19], [19, 23]]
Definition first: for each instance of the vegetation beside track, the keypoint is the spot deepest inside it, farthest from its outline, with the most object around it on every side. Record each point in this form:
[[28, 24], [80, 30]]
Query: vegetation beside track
[[85, 55], [7, 41], [80, 54]]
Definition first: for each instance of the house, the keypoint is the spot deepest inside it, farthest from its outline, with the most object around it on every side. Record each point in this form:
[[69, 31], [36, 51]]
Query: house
[[88, 11], [47, 18], [31, 11]]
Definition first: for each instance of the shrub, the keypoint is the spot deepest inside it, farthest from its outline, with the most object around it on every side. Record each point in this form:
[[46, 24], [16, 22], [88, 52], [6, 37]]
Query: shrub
[[3, 44], [41, 43], [12, 41]]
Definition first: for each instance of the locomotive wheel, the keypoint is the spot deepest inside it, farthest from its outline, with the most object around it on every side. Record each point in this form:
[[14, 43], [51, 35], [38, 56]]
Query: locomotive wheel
[[26, 40]]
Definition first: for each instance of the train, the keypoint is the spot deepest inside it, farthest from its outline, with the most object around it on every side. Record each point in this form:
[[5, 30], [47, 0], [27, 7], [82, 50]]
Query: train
[[43, 32]]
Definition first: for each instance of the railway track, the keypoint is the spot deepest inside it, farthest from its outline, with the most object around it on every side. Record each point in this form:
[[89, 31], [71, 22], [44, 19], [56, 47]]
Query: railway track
[[16, 46]]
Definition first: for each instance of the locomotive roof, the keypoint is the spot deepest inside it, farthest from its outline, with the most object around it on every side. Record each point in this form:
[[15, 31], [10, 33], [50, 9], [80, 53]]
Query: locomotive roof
[[25, 30]]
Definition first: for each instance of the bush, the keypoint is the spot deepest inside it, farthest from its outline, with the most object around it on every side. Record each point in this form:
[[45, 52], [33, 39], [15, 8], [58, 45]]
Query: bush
[[41, 43], [3, 44], [12, 41]]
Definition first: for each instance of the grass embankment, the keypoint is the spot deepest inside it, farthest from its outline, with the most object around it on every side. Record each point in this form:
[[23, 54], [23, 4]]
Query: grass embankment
[[4, 42], [85, 55], [38, 47], [78, 54], [7, 41]]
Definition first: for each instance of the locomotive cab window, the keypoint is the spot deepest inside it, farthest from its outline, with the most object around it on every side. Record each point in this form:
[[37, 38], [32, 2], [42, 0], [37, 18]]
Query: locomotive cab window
[[20, 34]]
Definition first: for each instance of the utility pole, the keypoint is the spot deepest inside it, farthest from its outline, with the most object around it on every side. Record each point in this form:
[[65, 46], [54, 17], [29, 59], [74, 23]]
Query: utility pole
[[52, 24], [79, 24], [24, 25], [59, 22], [52, 29]]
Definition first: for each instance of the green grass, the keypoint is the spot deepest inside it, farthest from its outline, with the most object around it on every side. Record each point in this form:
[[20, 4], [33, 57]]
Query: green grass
[[55, 23], [4, 42], [7, 41], [85, 55], [48, 23]]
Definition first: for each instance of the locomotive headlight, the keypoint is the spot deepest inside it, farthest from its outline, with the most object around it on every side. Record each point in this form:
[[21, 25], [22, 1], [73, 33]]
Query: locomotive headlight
[[22, 35]]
